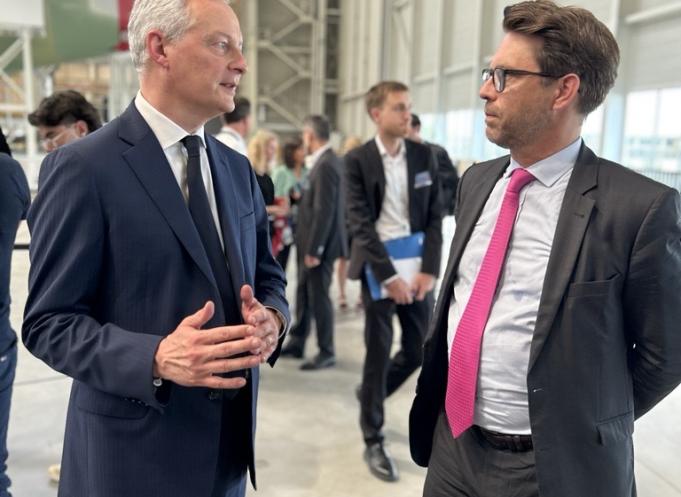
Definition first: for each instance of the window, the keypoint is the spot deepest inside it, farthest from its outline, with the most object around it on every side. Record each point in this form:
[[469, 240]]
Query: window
[[652, 130]]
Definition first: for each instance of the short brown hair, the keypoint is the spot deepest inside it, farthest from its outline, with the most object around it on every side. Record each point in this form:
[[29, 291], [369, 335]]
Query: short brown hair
[[574, 42], [65, 107], [377, 94]]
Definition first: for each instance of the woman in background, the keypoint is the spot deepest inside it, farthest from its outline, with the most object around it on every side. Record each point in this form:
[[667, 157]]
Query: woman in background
[[288, 179], [262, 153], [342, 271]]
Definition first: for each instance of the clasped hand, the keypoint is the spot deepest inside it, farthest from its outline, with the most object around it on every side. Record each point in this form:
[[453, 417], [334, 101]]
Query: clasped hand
[[400, 291], [194, 357]]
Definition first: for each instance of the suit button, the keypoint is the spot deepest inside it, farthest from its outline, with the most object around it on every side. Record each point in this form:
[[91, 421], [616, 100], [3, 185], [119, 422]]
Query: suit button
[[214, 395]]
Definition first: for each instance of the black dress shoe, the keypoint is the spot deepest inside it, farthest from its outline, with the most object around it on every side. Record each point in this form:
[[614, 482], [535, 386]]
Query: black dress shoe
[[319, 362], [291, 351], [380, 463]]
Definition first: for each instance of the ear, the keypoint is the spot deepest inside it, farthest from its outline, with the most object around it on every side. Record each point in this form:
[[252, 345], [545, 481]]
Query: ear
[[156, 48], [374, 114], [81, 128], [567, 91]]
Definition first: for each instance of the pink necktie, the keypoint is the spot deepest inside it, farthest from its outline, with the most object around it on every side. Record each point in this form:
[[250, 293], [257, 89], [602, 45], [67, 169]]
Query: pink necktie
[[465, 356]]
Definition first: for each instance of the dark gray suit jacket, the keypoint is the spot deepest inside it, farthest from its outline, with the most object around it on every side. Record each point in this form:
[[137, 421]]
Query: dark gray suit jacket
[[320, 231], [607, 342], [365, 187]]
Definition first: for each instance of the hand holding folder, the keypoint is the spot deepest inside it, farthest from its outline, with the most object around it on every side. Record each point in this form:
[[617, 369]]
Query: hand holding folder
[[405, 254]]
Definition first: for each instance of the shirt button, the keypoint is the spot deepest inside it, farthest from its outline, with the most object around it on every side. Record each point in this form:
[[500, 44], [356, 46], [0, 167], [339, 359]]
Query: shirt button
[[247, 374]]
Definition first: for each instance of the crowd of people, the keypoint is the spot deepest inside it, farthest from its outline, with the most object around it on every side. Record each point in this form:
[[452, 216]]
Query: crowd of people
[[158, 258]]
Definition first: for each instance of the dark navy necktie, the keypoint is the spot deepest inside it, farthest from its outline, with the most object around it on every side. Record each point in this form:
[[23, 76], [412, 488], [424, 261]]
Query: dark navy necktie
[[199, 208]]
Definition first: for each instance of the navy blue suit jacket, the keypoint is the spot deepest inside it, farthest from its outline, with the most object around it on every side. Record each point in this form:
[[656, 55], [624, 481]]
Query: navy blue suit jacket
[[14, 200], [116, 264]]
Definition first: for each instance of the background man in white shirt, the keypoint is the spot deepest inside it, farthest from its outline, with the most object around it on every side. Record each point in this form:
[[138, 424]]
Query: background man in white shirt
[[236, 126], [392, 192]]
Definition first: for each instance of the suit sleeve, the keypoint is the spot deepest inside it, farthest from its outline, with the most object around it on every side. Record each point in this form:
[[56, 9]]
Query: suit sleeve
[[68, 233], [326, 191], [652, 303], [361, 224], [432, 245], [270, 280], [449, 179]]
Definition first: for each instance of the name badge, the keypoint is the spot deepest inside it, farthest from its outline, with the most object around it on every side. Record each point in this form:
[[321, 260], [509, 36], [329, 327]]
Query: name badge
[[421, 180]]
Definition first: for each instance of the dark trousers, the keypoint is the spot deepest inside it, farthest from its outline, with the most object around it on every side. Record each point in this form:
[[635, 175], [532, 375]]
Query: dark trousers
[[8, 364], [282, 256], [382, 375], [230, 473], [469, 466], [312, 301]]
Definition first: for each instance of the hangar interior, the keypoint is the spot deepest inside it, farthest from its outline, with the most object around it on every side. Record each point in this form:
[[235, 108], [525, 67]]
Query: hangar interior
[[321, 56]]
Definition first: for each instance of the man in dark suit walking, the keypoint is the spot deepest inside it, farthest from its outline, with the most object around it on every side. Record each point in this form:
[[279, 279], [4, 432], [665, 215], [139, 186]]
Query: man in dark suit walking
[[558, 319], [15, 198], [320, 239], [152, 284], [392, 192]]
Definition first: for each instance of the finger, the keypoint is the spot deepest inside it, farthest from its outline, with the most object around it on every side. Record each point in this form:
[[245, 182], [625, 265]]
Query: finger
[[259, 317], [220, 383], [235, 347], [225, 334], [247, 295], [200, 317], [219, 366]]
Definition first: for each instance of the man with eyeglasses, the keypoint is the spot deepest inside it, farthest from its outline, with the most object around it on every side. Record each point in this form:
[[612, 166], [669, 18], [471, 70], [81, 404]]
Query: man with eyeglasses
[[557, 324], [62, 118]]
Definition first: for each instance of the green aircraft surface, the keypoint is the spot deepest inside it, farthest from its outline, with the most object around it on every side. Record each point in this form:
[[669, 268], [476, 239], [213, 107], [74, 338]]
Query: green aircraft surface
[[74, 30]]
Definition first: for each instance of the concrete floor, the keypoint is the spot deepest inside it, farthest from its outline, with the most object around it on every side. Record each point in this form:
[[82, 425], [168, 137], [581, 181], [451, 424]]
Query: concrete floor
[[308, 442]]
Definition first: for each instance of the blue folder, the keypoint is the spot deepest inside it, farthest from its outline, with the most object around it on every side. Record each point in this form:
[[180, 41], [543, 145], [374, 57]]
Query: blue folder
[[408, 247]]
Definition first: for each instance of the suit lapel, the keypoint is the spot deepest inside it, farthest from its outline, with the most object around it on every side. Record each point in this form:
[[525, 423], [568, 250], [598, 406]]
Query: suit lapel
[[411, 178], [225, 196], [374, 164], [573, 220], [148, 162], [476, 196]]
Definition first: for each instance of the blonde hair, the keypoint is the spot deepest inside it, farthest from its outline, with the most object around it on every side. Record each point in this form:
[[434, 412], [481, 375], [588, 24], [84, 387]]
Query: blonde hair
[[350, 143], [256, 150]]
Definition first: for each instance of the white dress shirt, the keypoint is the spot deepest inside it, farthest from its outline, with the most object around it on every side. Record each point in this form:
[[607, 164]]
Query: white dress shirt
[[232, 139], [393, 221], [169, 135], [501, 401], [312, 159]]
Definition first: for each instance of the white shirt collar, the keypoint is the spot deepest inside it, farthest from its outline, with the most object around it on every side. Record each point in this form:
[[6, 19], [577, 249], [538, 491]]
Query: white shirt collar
[[401, 150], [167, 132], [312, 159], [549, 170]]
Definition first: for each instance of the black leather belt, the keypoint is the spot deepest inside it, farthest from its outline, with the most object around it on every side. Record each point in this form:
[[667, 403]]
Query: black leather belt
[[504, 441]]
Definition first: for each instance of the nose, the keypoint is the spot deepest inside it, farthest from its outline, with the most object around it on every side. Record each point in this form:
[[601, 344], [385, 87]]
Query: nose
[[239, 63], [487, 91]]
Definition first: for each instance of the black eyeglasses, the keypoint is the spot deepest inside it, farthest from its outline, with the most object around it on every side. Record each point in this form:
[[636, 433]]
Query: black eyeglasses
[[498, 75]]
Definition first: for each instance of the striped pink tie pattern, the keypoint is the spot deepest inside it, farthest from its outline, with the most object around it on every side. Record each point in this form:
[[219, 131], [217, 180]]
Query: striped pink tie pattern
[[465, 355]]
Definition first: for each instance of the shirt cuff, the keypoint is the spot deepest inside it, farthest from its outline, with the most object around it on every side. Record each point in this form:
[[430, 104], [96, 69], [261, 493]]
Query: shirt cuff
[[387, 281]]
